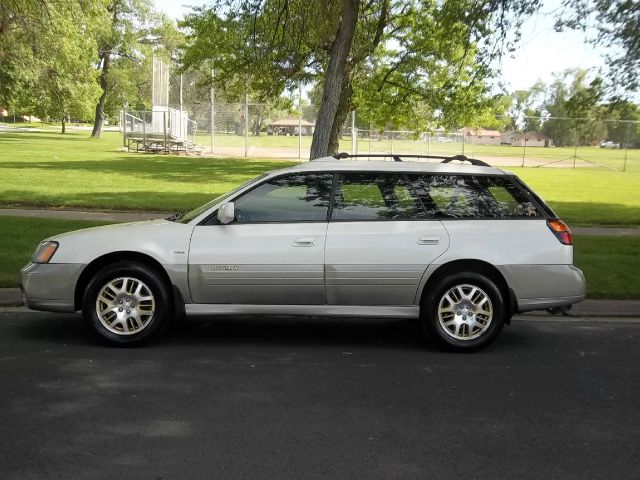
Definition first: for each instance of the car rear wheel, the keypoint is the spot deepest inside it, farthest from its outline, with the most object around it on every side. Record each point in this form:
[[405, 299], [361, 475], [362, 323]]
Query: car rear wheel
[[465, 311], [127, 304]]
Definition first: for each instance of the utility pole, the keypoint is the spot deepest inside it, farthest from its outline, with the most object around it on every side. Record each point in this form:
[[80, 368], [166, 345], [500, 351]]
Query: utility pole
[[246, 123], [354, 134], [300, 120], [181, 133], [213, 111]]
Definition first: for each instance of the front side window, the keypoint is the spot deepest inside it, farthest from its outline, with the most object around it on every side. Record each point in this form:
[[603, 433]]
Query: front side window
[[464, 196], [375, 196], [290, 198]]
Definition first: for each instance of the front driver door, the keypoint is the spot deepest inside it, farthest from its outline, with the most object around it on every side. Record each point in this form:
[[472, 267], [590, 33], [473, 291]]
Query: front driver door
[[273, 253]]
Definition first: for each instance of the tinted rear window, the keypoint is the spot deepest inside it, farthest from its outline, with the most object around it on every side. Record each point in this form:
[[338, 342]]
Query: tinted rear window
[[466, 196]]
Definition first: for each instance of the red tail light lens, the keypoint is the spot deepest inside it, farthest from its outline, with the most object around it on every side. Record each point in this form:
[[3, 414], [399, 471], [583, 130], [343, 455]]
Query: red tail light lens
[[561, 231]]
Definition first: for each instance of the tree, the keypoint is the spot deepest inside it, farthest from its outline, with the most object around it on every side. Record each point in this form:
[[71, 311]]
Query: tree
[[574, 109], [134, 34], [532, 119], [624, 127], [424, 54], [19, 20], [618, 26], [522, 104], [47, 51], [118, 40]]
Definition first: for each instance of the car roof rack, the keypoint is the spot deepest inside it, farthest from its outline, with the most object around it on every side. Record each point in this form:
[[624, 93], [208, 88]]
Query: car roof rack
[[463, 158], [397, 157]]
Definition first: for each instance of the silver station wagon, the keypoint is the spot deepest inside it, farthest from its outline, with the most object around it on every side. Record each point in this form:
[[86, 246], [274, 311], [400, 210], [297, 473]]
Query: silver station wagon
[[460, 248]]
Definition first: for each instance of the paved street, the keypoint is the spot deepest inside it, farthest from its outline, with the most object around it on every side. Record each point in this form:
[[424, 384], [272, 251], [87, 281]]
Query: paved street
[[278, 398]]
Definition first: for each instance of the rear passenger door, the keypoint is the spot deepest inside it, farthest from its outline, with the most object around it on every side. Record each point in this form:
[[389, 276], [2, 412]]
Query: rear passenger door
[[379, 242]]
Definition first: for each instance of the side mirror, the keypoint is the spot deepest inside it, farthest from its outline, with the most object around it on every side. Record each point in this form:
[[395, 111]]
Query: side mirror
[[226, 213]]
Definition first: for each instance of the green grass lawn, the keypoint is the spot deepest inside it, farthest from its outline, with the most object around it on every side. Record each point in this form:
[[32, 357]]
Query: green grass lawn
[[610, 263], [47, 169], [20, 237], [74, 171], [587, 196]]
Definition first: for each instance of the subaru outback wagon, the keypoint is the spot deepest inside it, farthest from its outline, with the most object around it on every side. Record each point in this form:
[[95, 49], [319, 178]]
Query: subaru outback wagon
[[460, 248]]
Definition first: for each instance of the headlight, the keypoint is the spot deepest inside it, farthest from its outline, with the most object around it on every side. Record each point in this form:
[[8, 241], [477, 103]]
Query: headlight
[[44, 252]]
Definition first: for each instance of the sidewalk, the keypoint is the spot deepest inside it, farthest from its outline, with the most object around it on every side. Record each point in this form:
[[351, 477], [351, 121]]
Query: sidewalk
[[97, 215], [11, 297], [122, 217]]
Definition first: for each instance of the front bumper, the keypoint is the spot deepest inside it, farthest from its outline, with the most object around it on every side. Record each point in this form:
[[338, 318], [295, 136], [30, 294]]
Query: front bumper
[[50, 286]]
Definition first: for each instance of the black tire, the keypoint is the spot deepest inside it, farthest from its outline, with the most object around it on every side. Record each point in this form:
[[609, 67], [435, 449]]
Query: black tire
[[465, 328], [148, 318]]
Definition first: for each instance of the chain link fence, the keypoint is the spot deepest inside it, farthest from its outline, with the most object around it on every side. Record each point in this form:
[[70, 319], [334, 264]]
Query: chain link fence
[[262, 130]]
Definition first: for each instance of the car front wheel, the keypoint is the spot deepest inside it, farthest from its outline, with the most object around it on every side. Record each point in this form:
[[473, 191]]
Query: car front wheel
[[127, 304], [464, 311]]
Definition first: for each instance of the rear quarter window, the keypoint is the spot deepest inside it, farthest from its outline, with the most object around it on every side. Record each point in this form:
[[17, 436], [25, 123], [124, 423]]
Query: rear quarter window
[[469, 196]]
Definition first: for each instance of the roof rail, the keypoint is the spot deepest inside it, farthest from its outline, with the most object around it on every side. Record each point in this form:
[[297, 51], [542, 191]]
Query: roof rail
[[397, 157], [462, 158]]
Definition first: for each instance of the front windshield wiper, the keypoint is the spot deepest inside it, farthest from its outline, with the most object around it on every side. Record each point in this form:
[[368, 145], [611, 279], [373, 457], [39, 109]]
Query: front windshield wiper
[[174, 217]]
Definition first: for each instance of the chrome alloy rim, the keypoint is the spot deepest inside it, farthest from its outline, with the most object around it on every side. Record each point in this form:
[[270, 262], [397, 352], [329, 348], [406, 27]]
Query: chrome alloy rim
[[465, 312], [125, 306]]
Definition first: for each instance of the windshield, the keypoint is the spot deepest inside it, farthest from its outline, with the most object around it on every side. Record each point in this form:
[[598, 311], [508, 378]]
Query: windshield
[[187, 217]]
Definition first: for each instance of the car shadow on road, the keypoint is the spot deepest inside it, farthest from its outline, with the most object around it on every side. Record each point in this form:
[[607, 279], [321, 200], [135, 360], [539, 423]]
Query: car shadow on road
[[258, 331], [299, 331]]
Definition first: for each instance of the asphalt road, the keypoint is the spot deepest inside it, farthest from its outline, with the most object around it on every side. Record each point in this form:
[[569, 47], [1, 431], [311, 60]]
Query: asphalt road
[[278, 399]]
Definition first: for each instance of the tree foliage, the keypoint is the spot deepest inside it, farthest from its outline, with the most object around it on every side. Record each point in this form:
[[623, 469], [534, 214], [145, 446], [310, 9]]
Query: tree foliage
[[126, 46], [574, 110], [47, 50], [395, 61], [80, 60], [117, 44], [618, 27]]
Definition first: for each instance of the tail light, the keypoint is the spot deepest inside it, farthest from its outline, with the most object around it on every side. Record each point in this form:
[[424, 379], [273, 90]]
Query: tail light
[[561, 231]]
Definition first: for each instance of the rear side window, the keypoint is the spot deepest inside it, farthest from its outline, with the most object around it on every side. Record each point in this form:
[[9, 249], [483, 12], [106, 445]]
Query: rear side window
[[465, 196], [375, 196]]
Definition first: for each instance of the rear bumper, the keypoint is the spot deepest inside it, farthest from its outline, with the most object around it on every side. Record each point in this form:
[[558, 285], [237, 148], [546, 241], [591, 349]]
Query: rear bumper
[[539, 287], [51, 286], [528, 304]]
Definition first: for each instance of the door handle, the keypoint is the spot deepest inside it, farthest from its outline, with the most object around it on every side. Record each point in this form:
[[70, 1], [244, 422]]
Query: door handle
[[428, 240], [304, 242]]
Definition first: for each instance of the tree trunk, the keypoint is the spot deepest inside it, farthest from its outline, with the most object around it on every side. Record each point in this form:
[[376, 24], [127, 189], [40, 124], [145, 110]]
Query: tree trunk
[[335, 77], [99, 120], [64, 126], [341, 115]]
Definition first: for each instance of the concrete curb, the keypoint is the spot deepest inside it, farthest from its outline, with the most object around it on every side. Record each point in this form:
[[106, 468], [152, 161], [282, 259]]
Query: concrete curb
[[97, 215], [12, 297]]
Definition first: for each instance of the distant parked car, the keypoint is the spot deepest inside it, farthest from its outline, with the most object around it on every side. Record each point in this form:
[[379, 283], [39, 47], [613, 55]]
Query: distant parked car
[[460, 248], [443, 140], [608, 144]]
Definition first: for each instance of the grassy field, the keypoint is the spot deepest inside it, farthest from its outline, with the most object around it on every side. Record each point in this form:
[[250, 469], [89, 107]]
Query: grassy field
[[21, 236], [610, 264], [73, 171]]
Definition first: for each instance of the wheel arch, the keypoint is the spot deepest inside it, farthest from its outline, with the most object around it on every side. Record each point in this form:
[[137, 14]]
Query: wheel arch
[[113, 257], [476, 266]]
